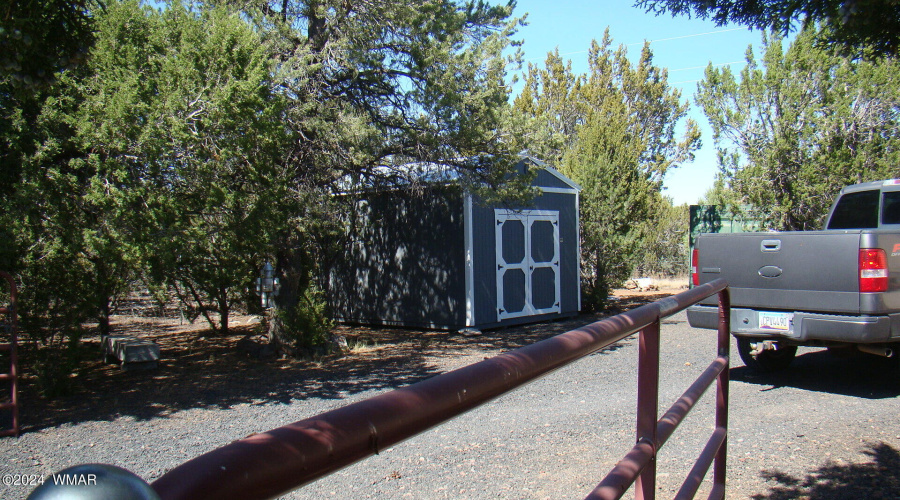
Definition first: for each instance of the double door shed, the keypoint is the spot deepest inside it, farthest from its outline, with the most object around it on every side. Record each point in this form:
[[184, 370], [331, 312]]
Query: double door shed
[[446, 260]]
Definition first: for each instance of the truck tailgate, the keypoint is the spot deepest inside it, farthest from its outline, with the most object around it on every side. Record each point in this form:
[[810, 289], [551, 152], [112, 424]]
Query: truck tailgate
[[796, 270]]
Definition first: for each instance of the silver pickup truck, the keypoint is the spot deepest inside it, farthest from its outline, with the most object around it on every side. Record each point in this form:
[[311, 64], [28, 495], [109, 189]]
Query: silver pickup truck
[[837, 288]]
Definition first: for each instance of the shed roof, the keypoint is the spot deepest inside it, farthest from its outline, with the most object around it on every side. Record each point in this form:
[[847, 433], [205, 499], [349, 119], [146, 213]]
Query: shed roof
[[430, 173]]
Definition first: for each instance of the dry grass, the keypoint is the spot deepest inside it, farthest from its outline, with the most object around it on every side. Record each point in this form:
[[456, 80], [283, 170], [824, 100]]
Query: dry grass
[[657, 285]]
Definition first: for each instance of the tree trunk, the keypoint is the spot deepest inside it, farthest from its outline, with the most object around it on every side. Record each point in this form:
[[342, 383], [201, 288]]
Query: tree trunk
[[104, 316], [104, 293], [290, 268], [224, 310]]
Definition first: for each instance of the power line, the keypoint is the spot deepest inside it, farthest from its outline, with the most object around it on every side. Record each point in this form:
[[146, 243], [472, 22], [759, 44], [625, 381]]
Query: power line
[[704, 67], [687, 36], [653, 41]]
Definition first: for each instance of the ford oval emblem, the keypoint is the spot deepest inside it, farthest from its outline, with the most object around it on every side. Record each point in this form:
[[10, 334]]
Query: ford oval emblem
[[770, 271]]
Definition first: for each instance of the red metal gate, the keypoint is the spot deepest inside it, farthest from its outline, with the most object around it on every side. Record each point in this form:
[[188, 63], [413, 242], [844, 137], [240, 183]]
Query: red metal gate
[[9, 325], [640, 464], [272, 463]]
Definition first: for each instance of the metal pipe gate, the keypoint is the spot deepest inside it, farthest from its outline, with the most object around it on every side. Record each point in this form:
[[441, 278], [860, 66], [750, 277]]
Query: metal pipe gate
[[639, 465], [11, 326], [272, 463]]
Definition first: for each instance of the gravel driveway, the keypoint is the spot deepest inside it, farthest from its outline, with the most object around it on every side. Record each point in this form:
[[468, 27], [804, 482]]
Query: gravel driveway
[[827, 428]]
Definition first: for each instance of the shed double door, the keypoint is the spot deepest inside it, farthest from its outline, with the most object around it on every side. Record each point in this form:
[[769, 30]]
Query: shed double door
[[527, 262]]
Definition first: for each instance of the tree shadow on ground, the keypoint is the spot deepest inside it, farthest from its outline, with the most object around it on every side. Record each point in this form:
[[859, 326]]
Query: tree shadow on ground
[[858, 375], [878, 478], [201, 370]]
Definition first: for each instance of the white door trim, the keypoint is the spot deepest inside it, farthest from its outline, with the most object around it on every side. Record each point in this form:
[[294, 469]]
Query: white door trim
[[528, 265]]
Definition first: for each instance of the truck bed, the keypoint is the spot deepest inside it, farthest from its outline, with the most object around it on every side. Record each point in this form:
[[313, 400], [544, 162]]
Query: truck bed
[[813, 271]]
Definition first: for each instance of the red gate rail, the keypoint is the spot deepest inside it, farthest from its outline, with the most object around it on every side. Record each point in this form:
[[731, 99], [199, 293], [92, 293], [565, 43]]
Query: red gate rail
[[11, 377], [639, 465], [272, 463]]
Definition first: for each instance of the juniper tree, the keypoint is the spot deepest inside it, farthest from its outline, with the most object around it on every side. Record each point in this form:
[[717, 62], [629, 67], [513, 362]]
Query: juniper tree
[[870, 28], [373, 85], [199, 140], [615, 133], [798, 124]]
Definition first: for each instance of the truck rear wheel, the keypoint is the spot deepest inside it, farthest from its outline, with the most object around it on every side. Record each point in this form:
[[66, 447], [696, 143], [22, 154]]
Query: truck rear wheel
[[768, 360]]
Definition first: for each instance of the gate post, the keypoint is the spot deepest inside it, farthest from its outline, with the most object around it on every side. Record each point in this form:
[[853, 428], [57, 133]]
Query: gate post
[[11, 325], [647, 408], [724, 333]]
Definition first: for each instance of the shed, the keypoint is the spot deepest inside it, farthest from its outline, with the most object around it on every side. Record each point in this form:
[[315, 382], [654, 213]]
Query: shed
[[446, 260]]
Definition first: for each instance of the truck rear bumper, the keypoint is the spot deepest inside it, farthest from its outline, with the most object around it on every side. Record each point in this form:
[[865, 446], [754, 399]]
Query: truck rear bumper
[[806, 326]]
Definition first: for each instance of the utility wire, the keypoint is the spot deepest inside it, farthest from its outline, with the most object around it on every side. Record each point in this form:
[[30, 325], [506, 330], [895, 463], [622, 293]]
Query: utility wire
[[651, 41], [687, 36], [704, 66]]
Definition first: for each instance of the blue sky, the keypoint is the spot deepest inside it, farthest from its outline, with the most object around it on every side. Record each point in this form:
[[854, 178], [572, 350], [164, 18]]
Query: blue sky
[[684, 46]]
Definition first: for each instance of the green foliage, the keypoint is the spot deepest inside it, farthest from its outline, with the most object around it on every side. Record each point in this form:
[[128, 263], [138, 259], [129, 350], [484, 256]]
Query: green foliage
[[869, 28], [169, 138], [196, 140], [613, 131], [63, 244], [664, 249], [795, 127], [720, 194], [307, 325], [37, 39], [425, 83], [55, 361]]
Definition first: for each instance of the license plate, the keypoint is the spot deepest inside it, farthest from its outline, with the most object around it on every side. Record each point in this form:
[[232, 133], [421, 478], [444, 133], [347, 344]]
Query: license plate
[[782, 322]]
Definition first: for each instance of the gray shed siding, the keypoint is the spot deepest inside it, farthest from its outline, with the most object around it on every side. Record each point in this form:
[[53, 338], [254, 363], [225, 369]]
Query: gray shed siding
[[435, 260], [548, 180], [404, 261]]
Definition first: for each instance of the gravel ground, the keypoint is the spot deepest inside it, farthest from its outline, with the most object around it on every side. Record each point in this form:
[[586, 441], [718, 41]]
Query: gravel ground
[[826, 428]]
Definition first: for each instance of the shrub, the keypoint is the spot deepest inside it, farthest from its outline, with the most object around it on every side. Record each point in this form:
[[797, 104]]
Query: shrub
[[307, 325], [54, 363]]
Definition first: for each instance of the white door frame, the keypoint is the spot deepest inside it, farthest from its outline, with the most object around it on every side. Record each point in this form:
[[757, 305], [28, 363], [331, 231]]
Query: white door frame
[[528, 265]]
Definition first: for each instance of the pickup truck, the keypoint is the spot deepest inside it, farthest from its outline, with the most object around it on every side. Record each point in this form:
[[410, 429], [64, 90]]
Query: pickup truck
[[837, 288]]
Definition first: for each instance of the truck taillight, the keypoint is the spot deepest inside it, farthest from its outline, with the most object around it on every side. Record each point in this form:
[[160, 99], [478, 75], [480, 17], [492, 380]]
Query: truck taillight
[[873, 270], [695, 276]]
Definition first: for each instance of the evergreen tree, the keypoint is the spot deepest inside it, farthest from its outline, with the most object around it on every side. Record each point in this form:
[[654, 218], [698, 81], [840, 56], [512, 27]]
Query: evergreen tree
[[38, 39], [870, 28], [154, 155], [423, 83], [614, 131], [798, 125], [665, 249], [199, 140]]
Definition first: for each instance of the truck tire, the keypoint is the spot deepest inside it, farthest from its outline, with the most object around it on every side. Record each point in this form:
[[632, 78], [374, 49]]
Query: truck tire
[[770, 360]]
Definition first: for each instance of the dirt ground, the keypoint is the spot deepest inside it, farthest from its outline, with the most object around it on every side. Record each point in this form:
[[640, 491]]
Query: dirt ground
[[201, 368], [787, 442]]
